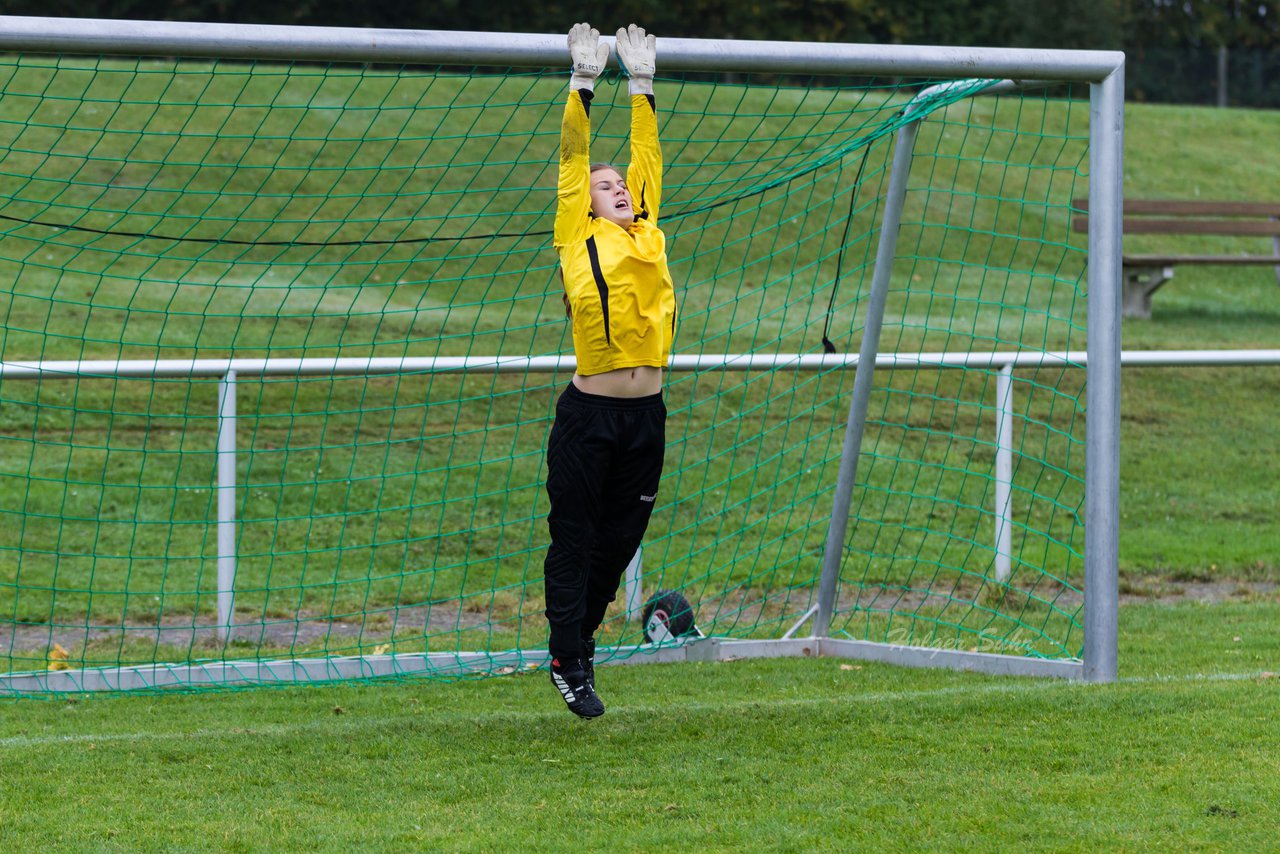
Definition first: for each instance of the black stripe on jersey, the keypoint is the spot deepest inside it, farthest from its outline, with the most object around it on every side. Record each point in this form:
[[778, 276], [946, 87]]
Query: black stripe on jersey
[[586, 95], [644, 207], [601, 285]]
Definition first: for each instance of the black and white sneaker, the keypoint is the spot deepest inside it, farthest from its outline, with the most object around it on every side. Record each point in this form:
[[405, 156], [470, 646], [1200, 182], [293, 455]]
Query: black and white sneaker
[[570, 679]]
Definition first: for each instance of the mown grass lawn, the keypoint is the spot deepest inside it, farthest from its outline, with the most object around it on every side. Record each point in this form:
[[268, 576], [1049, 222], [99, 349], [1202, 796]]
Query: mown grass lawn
[[786, 755]]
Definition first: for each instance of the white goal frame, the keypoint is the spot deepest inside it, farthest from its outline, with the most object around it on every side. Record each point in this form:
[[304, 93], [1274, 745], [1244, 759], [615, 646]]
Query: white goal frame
[[1103, 71]]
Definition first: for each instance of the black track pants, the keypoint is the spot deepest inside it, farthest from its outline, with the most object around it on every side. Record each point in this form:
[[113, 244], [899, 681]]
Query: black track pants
[[604, 461]]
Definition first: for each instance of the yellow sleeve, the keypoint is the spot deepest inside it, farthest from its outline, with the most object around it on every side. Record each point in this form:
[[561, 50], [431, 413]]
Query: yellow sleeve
[[644, 174], [573, 193]]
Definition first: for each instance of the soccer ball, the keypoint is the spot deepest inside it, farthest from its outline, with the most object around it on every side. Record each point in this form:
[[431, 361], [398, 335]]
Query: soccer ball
[[667, 615]]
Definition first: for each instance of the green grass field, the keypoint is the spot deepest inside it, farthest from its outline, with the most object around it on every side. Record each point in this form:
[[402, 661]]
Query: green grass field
[[791, 755], [781, 755]]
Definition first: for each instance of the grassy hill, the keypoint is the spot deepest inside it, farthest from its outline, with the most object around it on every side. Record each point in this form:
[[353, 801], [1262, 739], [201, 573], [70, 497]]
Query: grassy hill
[[1198, 444]]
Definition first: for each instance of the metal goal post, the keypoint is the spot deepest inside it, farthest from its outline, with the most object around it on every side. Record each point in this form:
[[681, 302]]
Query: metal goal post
[[1103, 71]]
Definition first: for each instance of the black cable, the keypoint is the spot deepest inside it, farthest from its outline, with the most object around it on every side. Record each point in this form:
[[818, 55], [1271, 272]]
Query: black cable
[[144, 235], [221, 241], [827, 346]]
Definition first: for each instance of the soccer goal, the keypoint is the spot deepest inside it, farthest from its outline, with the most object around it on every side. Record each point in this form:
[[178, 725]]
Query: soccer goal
[[283, 335]]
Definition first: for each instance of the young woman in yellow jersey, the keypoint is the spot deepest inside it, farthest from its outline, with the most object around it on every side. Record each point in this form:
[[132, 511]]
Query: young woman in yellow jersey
[[604, 455]]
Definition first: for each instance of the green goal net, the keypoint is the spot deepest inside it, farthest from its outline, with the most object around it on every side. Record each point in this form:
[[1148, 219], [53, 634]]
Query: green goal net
[[282, 342]]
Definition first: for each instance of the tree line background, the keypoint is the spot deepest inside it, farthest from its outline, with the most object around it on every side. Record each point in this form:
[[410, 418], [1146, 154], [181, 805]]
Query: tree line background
[[1179, 51]]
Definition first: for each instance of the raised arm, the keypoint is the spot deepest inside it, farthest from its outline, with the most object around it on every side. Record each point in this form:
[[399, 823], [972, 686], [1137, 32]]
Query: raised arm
[[637, 52], [573, 193]]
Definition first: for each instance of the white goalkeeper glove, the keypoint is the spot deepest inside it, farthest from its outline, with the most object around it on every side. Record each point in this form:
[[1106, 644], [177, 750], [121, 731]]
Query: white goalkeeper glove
[[588, 56], [638, 55]]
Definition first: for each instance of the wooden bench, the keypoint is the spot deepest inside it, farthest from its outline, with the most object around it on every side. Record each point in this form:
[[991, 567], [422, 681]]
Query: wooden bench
[[1144, 274]]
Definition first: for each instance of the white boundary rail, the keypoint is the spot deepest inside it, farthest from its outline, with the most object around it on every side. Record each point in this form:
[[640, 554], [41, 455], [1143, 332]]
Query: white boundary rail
[[1102, 70]]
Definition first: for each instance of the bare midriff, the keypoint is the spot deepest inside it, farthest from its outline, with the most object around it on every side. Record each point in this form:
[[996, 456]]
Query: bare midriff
[[624, 382]]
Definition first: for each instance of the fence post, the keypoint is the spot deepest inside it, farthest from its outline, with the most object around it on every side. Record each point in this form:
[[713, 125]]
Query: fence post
[[1222, 75], [633, 591], [226, 505], [1004, 472]]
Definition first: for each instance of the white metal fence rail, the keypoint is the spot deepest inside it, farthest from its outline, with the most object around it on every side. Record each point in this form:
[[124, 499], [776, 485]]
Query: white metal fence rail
[[229, 370]]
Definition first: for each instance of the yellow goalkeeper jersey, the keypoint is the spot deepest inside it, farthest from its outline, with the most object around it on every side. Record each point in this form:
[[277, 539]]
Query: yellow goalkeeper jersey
[[620, 291]]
